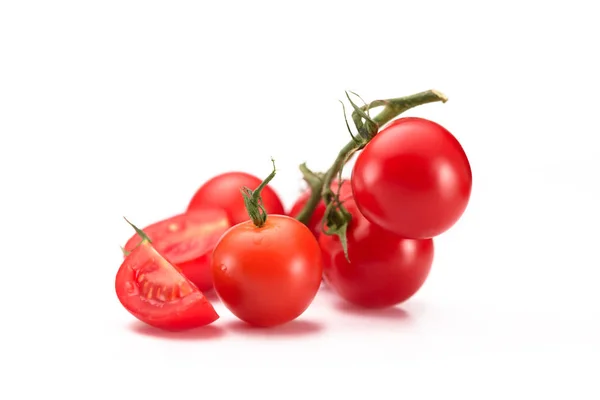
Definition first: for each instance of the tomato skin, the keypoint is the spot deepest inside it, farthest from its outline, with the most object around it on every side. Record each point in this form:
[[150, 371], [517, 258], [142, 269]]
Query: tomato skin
[[384, 269], [187, 241], [224, 191], [315, 221], [267, 276], [413, 178], [198, 272], [178, 305]]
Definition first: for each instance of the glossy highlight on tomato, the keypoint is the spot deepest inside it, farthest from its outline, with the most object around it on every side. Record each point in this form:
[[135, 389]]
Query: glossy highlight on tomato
[[158, 294], [187, 240], [224, 191], [267, 276], [413, 178], [384, 269], [317, 217]]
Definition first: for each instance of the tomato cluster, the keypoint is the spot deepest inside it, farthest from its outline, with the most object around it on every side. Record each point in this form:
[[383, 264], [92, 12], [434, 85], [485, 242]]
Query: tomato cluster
[[370, 238]]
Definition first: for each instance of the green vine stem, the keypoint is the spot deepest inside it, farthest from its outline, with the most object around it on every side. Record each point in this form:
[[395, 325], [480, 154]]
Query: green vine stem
[[315, 182], [337, 217], [253, 201]]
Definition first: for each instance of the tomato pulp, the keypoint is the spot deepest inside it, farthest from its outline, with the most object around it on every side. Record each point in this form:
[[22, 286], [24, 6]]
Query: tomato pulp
[[224, 191], [384, 269], [187, 240], [155, 292], [267, 276], [413, 178]]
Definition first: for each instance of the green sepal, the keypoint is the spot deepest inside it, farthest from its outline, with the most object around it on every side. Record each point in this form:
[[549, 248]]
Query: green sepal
[[125, 252]]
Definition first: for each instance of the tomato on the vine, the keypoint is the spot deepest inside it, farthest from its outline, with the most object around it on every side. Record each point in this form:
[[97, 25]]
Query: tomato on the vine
[[223, 191], [317, 217], [187, 240], [267, 275], [384, 269], [157, 293], [413, 178]]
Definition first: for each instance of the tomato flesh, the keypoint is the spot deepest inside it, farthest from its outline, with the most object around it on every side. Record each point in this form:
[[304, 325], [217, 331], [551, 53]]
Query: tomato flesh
[[156, 293], [384, 269], [224, 191], [267, 276], [187, 240], [413, 178]]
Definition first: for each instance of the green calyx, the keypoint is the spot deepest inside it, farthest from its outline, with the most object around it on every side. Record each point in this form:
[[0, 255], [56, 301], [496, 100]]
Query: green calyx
[[253, 200], [140, 233]]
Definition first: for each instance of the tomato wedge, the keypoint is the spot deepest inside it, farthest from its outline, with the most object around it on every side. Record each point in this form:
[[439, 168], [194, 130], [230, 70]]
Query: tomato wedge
[[187, 240], [157, 293]]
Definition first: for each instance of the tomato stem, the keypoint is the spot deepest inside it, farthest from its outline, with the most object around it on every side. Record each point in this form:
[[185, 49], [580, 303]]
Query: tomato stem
[[253, 200], [315, 182], [139, 232], [394, 107], [337, 218]]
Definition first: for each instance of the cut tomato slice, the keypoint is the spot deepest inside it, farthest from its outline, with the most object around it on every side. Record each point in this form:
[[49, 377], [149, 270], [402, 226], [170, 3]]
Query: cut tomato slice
[[187, 240], [155, 292]]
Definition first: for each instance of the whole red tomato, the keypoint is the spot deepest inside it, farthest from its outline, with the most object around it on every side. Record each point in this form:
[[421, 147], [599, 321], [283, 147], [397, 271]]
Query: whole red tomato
[[187, 241], [315, 221], [413, 178], [224, 191], [267, 275], [157, 293], [384, 269]]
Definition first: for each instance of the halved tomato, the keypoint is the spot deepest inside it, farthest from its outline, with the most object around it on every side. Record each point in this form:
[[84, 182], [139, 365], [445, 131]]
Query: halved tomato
[[187, 240], [157, 293]]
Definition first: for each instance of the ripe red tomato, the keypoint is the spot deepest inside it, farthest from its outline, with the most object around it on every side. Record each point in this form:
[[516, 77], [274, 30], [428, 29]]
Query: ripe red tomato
[[269, 275], [384, 269], [413, 178], [187, 240], [224, 191], [155, 292], [315, 221]]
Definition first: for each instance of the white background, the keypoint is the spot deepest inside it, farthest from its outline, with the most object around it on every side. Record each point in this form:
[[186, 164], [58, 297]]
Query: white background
[[119, 108]]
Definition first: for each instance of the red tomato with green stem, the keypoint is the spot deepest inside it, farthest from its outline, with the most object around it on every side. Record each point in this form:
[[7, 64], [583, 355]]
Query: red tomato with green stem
[[316, 219], [157, 293], [267, 270], [413, 178], [224, 191], [384, 269], [187, 240]]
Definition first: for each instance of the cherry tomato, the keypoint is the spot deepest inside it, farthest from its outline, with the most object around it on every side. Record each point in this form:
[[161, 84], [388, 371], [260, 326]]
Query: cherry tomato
[[224, 191], [157, 293], [315, 221], [267, 276], [413, 178], [187, 240], [384, 269]]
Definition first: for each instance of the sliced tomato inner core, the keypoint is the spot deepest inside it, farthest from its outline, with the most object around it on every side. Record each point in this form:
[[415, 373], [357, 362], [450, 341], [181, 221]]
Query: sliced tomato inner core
[[164, 284], [153, 278]]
